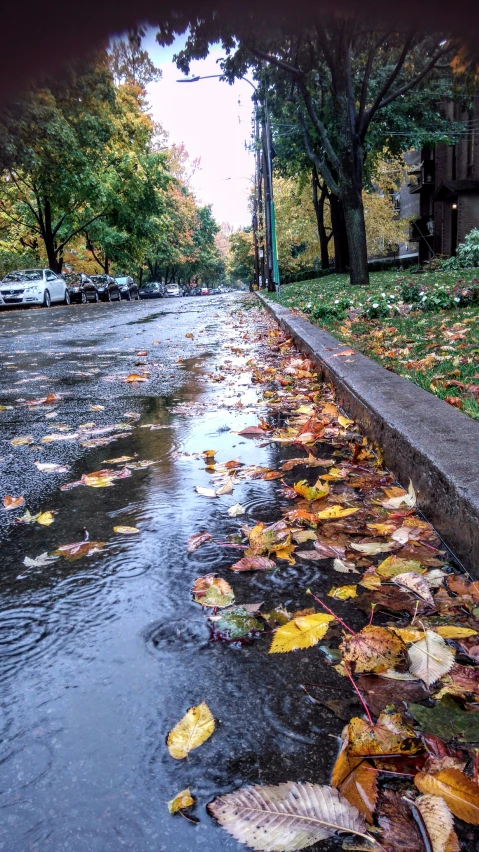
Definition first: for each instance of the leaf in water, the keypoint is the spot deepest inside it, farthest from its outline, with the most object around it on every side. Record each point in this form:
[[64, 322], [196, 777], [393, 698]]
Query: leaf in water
[[335, 511], [304, 535], [400, 831], [459, 792], [119, 460], [343, 593], [344, 567], [302, 632], [370, 548], [195, 541], [394, 565], [430, 658], [181, 801], [416, 584], [126, 530], [78, 549], [190, 335], [22, 442], [373, 649], [45, 518], [13, 502], [439, 822], [311, 492], [39, 561], [379, 692], [192, 730], [390, 735], [460, 585], [212, 591], [447, 720], [47, 467], [135, 377], [97, 407], [252, 431], [450, 631], [287, 817], [344, 421], [205, 492], [398, 497], [236, 510], [253, 563], [356, 782], [226, 488], [236, 623]]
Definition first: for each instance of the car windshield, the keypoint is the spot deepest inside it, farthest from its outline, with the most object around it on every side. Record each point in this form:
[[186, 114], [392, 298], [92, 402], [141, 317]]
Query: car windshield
[[101, 279], [24, 275], [150, 286], [121, 280], [73, 278]]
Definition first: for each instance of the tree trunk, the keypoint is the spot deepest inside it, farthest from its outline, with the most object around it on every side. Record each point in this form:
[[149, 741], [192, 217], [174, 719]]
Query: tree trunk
[[356, 230], [48, 238], [318, 202], [340, 237], [107, 265]]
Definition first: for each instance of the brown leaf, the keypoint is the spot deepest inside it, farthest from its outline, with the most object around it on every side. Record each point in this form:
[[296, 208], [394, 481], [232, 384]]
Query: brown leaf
[[373, 649], [13, 502], [416, 584], [460, 585], [78, 549], [252, 431], [381, 691], [197, 540], [400, 831], [212, 591], [253, 563], [470, 647], [390, 735], [390, 598], [457, 790]]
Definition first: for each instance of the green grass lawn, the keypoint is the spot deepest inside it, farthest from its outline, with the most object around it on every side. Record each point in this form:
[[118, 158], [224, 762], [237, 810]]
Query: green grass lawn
[[424, 327]]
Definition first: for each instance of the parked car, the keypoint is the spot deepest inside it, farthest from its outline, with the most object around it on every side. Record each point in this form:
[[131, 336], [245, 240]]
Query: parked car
[[172, 290], [81, 287], [152, 290], [128, 288], [34, 287], [205, 291], [215, 291], [107, 287]]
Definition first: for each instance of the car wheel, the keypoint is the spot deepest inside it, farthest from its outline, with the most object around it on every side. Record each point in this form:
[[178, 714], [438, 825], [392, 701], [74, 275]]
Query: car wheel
[[66, 300], [128, 296], [47, 300], [96, 297], [83, 298], [108, 295]]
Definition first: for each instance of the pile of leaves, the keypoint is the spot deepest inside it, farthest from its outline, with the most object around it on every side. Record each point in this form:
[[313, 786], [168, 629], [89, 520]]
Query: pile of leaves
[[424, 327], [407, 768]]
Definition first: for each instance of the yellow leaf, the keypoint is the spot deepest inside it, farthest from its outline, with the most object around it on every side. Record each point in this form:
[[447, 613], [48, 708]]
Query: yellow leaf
[[342, 593], [21, 442], [336, 511], [192, 730], [181, 801], [408, 634], [126, 530], [311, 492], [344, 421], [302, 632], [372, 649], [45, 518], [394, 565], [458, 791], [451, 632]]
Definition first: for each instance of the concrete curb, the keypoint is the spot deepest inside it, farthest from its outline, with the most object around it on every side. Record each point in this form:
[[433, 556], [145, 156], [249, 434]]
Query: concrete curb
[[423, 438]]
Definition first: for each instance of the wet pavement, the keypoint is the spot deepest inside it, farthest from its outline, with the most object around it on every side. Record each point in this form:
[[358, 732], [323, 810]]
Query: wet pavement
[[101, 656]]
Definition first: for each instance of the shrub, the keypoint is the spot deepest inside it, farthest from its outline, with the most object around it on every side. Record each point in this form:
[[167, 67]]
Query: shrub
[[467, 256]]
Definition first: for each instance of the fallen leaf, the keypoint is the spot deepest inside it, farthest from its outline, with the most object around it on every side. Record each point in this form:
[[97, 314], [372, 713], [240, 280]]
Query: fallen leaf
[[430, 658], [45, 518], [450, 631], [343, 593], [373, 547], [460, 585], [252, 431], [335, 511], [236, 623], [400, 831], [190, 335], [253, 563], [390, 735], [344, 567], [126, 530], [13, 502], [236, 510], [373, 649], [78, 549], [39, 561], [397, 497], [21, 442], [416, 584], [344, 421], [302, 632], [47, 467], [285, 817], [355, 781], [192, 730], [135, 377], [394, 565], [181, 801], [379, 692], [311, 492], [438, 820], [447, 720], [212, 591], [458, 791], [197, 540]]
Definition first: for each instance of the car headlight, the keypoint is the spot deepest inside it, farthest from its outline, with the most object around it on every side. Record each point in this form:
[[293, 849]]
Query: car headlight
[[33, 288]]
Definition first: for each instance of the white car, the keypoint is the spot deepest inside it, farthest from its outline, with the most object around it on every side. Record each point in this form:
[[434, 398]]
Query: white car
[[172, 290], [34, 287]]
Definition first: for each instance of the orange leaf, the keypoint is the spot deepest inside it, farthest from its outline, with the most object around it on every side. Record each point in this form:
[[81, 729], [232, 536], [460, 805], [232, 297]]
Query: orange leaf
[[356, 781], [373, 649], [457, 790], [13, 502], [390, 735]]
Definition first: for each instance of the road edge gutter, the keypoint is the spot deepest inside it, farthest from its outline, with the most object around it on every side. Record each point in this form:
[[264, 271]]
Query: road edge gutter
[[423, 437]]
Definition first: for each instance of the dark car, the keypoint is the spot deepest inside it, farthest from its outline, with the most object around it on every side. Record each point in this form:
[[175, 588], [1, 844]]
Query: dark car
[[152, 290], [128, 288], [107, 287], [81, 287]]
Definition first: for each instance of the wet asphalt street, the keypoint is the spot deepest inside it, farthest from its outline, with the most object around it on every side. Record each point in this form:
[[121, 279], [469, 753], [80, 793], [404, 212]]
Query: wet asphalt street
[[101, 656]]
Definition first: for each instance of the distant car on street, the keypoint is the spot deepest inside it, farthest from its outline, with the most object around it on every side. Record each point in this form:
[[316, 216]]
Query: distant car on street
[[128, 288], [81, 287], [205, 291], [34, 287], [107, 287], [173, 290], [152, 290]]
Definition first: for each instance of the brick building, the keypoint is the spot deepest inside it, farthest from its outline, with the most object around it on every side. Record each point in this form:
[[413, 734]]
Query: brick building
[[445, 184]]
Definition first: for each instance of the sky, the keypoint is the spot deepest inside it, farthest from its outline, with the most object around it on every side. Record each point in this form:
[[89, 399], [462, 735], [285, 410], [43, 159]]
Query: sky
[[213, 121]]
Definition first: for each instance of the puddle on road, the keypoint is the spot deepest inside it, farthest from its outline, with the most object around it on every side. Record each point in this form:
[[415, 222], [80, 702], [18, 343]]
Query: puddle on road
[[102, 656]]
